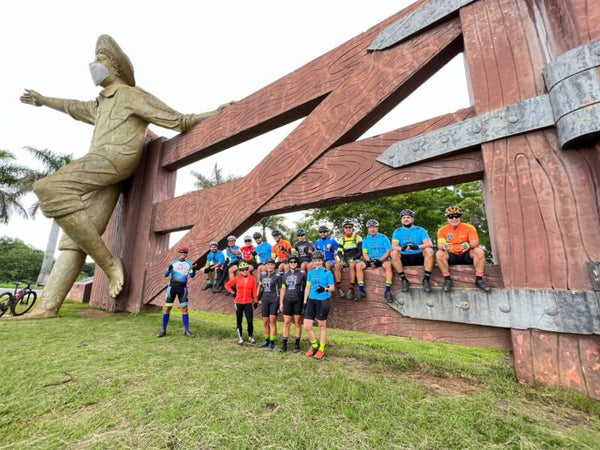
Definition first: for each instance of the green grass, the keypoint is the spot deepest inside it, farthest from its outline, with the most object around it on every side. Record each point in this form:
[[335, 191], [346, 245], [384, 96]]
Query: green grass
[[131, 390]]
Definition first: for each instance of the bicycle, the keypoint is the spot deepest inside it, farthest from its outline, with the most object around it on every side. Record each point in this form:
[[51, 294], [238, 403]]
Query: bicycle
[[20, 301]]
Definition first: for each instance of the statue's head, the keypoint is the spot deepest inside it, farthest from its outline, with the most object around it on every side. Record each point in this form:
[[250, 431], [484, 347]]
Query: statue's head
[[108, 53]]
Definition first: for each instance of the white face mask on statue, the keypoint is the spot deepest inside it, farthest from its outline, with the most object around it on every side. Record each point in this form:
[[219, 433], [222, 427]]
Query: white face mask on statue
[[99, 72]]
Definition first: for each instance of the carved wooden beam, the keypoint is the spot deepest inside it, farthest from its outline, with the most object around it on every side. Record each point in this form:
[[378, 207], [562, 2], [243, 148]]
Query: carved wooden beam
[[365, 95]]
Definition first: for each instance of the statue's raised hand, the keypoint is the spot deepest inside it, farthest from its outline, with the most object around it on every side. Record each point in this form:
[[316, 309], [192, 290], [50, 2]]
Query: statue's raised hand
[[31, 97], [225, 105]]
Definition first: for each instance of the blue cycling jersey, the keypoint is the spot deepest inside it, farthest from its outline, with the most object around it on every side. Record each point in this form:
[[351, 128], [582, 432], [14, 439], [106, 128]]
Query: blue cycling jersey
[[215, 258], [413, 235], [180, 272], [316, 278], [233, 258], [376, 246], [263, 251], [323, 246]]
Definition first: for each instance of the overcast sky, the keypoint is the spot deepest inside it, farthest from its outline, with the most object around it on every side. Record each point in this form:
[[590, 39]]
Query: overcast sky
[[192, 55]]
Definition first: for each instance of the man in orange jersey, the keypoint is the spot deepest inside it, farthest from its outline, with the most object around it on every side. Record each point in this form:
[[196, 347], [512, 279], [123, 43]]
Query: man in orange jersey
[[282, 250], [458, 244]]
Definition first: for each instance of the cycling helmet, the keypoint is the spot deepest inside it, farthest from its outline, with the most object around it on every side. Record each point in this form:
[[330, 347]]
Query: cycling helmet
[[453, 210], [318, 255], [247, 239], [372, 223], [323, 229], [213, 243], [270, 261], [243, 266], [275, 233], [257, 235], [231, 238], [407, 212], [347, 222], [300, 233], [183, 249], [293, 259]]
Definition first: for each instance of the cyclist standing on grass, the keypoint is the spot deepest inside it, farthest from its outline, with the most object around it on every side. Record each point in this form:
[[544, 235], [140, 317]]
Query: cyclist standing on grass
[[290, 302], [319, 286], [245, 299], [270, 286], [179, 270]]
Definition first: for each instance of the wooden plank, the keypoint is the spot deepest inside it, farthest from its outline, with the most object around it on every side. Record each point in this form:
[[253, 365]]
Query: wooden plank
[[538, 207], [569, 363], [545, 356], [326, 180], [589, 355], [338, 118], [523, 355], [279, 103]]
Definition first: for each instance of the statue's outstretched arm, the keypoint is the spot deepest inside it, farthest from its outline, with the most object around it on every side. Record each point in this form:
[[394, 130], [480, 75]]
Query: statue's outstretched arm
[[84, 111]]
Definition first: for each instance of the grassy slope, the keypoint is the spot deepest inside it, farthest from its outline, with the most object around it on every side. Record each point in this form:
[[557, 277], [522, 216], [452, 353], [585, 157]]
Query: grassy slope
[[131, 390]]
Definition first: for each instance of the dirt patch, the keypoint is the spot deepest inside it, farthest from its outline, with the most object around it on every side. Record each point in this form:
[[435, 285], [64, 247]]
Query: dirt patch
[[95, 314], [445, 386]]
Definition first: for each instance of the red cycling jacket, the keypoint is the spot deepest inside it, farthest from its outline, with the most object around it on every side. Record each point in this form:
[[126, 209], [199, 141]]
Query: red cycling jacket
[[246, 288]]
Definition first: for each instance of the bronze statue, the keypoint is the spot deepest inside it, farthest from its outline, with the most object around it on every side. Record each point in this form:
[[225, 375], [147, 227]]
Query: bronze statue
[[82, 195]]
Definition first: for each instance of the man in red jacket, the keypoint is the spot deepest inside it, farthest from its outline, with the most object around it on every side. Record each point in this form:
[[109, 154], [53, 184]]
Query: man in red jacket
[[245, 299]]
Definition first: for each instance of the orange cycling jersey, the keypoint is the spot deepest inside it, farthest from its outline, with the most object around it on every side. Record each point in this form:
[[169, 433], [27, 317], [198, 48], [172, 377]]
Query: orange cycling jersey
[[282, 250], [456, 236], [246, 288]]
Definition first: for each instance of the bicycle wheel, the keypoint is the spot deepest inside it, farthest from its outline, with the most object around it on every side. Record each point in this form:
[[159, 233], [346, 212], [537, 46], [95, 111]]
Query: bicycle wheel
[[5, 299], [24, 304]]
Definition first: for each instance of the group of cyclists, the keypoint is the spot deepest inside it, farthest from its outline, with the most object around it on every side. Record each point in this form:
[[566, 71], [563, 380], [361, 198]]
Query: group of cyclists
[[298, 280]]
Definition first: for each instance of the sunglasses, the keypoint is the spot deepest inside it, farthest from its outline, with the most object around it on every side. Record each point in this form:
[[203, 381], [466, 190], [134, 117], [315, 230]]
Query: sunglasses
[[244, 270], [183, 253], [293, 262], [349, 226], [453, 216]]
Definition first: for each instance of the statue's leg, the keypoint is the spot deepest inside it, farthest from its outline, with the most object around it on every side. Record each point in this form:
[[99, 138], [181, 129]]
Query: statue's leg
[[65, 271], [62, 196], [67, 267]]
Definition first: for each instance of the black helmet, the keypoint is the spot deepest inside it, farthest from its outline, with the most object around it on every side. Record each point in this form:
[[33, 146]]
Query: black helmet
[[270, 261], [257, 235], [293, 259], [318, 255], [323, 229], [300, 233], [275, 233], [372, 223], [407, 212]]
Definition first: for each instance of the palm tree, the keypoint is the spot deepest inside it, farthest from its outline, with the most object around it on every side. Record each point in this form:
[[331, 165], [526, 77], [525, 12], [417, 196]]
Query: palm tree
[[51, 162], [274, 223], [215, 178], [10, 192]]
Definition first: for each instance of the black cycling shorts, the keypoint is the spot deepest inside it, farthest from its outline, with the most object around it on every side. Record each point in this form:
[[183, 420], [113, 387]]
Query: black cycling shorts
[[269, 308], [292, 307], [413, 259], [304, 259], [317, 309], [460, 260]]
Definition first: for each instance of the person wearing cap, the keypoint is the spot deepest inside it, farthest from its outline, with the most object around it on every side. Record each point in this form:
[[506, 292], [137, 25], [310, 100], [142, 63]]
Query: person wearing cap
[[350, 253], [262, 250], [319, 286], [327, 246], [233, 255], [304, 249], [243, 286], [82, 195], [179, 270], [291, 300], [411, 246], [376, 253], [247, 253], [282, 250], [215, 260], [270, 287], [458, 244]]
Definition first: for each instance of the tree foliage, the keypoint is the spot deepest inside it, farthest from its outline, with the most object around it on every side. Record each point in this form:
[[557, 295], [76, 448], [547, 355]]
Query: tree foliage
[[276, 223], [11, 193], [429, 206], [18, 261], [215, 178]]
